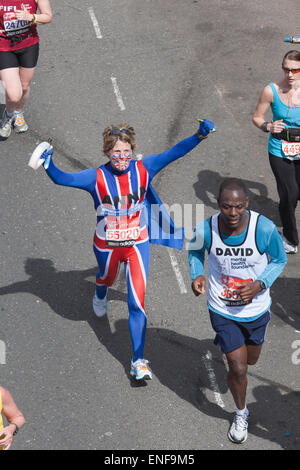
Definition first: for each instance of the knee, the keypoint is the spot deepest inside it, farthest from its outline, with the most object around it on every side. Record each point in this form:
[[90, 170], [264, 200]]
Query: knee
[[238, 370], [25, 88], [14, 95]]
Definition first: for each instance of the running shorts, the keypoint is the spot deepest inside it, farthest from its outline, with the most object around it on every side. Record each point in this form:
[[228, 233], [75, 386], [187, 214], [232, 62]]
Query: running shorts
[[26, 58], [232, 334]]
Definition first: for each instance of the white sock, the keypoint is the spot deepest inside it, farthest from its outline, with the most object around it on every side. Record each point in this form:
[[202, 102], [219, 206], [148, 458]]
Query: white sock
[[242, 412]]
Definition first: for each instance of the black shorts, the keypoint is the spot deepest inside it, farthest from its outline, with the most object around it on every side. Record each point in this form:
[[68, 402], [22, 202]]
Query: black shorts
[[26, 58]]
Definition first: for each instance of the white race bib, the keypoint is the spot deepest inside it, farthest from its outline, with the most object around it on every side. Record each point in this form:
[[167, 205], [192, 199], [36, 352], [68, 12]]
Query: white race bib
[[122, 234], [291, 150]]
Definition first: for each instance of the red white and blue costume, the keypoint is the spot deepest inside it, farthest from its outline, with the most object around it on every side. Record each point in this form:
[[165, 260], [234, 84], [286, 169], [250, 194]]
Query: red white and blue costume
[[125, 225]]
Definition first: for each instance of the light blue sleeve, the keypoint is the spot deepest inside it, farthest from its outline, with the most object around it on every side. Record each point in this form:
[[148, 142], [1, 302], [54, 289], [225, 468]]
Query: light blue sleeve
[[269, 241], [85, 179], [200, 243]]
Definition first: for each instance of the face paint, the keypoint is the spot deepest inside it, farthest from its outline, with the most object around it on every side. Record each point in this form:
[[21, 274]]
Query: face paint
[[121, 163]]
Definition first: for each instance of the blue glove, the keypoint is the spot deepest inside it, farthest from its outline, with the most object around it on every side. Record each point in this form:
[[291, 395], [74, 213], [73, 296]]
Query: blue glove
[[47, 157], [205, 127]]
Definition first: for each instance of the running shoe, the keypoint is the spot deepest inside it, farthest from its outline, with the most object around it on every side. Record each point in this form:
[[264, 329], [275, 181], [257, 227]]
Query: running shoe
[[140, 370], [238, 431], [20, 124], [289, 247], [99, 306], [6, 125]]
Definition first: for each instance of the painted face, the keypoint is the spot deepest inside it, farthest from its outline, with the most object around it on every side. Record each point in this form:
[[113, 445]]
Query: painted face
[[120, 155], [233, 205]]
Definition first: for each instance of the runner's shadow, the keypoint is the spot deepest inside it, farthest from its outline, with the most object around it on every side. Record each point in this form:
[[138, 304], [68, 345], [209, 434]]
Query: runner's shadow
[[285, 294], [207, 188]]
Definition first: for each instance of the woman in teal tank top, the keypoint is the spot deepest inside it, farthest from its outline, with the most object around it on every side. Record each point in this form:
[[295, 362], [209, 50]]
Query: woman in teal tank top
[[283, 98]]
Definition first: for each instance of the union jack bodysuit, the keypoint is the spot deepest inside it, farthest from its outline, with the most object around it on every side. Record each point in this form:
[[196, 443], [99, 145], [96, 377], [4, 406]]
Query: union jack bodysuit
[[122, 235]]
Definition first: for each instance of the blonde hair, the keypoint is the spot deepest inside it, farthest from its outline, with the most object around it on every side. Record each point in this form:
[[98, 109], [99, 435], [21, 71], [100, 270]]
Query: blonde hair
[[126, 134]]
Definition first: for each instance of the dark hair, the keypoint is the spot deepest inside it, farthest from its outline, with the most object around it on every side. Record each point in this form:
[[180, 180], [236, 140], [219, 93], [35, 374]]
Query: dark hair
[[126, 134], [291, 55], [232, 184]]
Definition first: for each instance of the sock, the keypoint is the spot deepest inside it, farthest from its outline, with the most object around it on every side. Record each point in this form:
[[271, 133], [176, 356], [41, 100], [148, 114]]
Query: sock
[[242, 412], [17, 112], [9, 115]]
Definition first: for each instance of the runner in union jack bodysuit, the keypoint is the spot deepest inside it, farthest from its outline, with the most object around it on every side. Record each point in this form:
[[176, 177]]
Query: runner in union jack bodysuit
[[123, 197]]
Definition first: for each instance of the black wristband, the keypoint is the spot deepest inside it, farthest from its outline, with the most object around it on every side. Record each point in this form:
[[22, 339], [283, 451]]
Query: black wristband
[[264, 126], [17, 429]]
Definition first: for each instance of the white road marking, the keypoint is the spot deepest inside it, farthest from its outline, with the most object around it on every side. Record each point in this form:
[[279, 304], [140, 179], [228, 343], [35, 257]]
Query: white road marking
[[212, 379], [118, 94], [177, 272], [95, 23]]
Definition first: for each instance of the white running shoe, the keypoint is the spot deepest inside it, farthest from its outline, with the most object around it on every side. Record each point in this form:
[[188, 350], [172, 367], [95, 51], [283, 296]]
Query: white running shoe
[[140, 370], [238, 431], [19, 123], [6, 125], [289, 247], [99, 306]]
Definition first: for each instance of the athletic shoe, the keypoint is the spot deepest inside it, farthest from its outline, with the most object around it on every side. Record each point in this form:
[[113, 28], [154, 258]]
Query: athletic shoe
[[140, 370], [99, 306], [20, 124], [238, 431], [289, 247], [6, 125]]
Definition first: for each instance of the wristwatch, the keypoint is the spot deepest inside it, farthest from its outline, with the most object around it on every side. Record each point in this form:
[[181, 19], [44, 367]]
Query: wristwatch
[[264, 126], [262, 284], [17, 429]]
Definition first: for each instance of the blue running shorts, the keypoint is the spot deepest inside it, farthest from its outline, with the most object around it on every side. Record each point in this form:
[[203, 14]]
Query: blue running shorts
[[232, 334]]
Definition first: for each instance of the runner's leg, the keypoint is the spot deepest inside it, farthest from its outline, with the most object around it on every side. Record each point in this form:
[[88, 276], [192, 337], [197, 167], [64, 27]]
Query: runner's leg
[[13, 87], [136, 275]]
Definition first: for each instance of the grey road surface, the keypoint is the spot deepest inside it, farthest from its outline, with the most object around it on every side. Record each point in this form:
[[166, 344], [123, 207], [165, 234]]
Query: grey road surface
[[172, 61]]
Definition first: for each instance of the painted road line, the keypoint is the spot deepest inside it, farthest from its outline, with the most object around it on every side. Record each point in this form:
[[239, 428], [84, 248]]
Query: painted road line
[[177, 272], [2, 93], [207, 359], [118, 94], [95, 23]]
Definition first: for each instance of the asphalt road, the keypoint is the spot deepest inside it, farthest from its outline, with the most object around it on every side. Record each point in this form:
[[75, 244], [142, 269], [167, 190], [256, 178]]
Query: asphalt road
[[173, 62]]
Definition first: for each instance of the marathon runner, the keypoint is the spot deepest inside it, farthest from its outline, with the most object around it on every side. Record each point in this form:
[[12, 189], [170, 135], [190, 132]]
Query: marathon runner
[[123, 198], [245, 257], [14, 417], [283, 97], [19, 50]]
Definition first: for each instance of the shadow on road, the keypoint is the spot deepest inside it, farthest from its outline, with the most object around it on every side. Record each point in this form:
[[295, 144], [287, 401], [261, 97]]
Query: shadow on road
[[178, 361], [207, 188]]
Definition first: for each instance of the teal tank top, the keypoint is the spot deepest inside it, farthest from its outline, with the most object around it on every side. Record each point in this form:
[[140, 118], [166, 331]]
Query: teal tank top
[[290, 116]]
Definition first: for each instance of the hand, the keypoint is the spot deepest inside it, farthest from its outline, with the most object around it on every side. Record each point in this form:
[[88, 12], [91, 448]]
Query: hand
[[198, 285], [249, 290], [46, 156], [277, 126], [24, 14], [8, 433], [205, 127]]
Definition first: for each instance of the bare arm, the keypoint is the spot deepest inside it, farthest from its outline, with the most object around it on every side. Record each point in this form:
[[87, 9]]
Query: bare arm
[[13, 415], [264, 102], [44, 16]]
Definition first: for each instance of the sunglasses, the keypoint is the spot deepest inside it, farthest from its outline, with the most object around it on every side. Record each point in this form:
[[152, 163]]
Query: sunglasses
[[118, 131], [294, 71]]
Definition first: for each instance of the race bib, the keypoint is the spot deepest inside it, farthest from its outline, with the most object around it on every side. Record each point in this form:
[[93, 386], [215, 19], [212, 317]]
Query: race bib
[[291, 150], [13, 26], [124, 233], [229, 294]]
